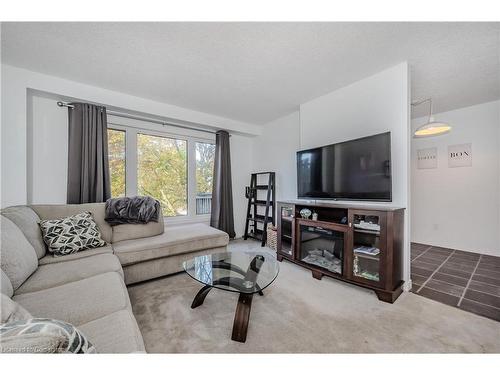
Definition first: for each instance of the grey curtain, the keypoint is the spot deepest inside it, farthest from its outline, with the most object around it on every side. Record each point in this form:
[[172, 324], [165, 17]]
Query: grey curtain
[[88, 168], [222, 194]]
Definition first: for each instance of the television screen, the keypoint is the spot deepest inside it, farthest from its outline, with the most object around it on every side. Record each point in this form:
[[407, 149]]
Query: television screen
[[356, 170]]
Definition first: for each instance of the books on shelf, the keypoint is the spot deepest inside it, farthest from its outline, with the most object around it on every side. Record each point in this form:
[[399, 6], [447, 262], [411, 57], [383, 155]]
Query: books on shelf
[[368, 250]]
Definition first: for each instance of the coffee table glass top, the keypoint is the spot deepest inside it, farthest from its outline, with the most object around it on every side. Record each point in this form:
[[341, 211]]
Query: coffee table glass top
[[241, 272]]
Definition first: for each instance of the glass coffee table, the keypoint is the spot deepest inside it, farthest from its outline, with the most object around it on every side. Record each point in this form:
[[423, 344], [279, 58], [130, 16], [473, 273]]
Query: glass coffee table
[[246, 273]]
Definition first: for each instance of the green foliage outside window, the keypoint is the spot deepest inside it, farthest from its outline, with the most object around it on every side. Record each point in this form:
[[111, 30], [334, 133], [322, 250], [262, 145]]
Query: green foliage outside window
[[116, 153], [205, 153], [162, 172]]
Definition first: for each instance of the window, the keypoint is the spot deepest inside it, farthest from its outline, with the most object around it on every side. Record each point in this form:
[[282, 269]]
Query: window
[[162, 172], [205, 154], [168, 164], [117, 167]]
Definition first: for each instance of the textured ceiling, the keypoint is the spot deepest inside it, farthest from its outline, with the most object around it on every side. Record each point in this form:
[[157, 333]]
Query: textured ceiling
[[257, 72]]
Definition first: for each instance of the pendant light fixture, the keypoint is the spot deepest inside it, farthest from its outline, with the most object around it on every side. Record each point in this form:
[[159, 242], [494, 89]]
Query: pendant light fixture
[[431, 127]]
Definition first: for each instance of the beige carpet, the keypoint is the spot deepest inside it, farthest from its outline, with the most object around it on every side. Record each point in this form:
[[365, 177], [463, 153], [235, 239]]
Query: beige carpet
[[299, 314]]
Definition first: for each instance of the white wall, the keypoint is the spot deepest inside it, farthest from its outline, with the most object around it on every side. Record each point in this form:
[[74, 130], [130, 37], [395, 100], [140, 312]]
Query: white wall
[[47, 159], [16, 85], [459, 208], [275, 151], [241, 167], [373, 105]]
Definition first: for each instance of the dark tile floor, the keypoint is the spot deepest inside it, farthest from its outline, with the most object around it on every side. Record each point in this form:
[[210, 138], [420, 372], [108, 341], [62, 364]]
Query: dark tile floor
[[466, 280]]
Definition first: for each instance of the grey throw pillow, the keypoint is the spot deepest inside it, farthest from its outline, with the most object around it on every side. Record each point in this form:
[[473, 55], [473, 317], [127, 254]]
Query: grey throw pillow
[[43, 336], [71, 234]]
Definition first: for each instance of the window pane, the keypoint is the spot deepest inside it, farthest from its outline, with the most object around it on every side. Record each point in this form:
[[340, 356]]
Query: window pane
[[162, 172], [116, 155], [205, 154]]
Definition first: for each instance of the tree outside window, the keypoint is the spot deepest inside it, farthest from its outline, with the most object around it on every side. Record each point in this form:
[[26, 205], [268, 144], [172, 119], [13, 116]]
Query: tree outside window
[[117, 163], [205, 155], [162, 172]]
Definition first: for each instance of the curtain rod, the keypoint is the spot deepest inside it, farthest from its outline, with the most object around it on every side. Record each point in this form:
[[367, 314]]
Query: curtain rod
[[140, 118]]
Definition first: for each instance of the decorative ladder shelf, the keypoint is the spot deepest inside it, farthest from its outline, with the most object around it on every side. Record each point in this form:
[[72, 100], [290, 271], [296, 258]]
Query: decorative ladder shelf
[[253, 217]]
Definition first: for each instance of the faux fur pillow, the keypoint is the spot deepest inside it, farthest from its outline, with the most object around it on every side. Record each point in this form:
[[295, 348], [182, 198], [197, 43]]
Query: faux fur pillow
[[71, 234]]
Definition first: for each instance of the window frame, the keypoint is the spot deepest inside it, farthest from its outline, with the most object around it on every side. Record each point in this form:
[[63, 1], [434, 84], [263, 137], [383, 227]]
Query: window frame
[[195, 188], [131, 165], [125, 155]]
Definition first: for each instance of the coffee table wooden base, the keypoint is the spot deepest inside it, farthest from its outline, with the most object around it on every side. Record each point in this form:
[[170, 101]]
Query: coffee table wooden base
[[241, 316], [200, 296]]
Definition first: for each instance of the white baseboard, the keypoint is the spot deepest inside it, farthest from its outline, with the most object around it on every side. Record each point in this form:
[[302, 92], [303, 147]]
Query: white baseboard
[[407, 286]]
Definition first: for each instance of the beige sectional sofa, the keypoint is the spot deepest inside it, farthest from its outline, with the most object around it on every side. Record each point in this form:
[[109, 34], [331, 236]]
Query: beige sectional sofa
[[88, 288]]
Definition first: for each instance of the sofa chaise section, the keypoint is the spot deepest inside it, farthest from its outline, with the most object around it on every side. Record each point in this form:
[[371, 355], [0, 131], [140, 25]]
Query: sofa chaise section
[[151, 257]]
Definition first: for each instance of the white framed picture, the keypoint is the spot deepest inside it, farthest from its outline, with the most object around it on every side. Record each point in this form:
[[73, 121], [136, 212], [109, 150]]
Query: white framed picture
[[427, 158], [460, 155]]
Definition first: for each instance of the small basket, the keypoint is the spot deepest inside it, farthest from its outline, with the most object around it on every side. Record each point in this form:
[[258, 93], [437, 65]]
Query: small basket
[[272, 237]]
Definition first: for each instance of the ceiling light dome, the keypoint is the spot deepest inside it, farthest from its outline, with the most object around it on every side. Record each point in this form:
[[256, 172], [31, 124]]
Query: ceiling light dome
[[431, 127]]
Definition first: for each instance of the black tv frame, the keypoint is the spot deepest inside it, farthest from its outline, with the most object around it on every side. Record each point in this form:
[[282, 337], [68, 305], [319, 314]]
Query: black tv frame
[[342, 198]]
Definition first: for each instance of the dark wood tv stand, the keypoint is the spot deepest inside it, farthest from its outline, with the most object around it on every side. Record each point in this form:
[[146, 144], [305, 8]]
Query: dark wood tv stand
[[361, 245]]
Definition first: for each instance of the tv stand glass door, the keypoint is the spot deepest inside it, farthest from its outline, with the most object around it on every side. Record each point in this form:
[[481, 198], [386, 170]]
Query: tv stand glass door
[[368, 246]]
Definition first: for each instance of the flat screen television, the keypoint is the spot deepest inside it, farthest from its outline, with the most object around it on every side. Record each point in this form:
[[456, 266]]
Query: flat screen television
[[359, 169]]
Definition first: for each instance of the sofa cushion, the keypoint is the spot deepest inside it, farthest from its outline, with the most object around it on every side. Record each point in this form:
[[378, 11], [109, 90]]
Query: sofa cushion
[[55, 274], [11, 310], [49, 258], [115, 333], [71, 234], [17, 257], [125, 232], [43, 336], [78, 302], [58, 211], [27, 220], [6, 285], [176, 239]]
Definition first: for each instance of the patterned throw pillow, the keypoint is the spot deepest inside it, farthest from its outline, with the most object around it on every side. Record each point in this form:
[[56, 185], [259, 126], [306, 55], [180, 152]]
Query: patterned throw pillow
[[71, 234], [43, 336]]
